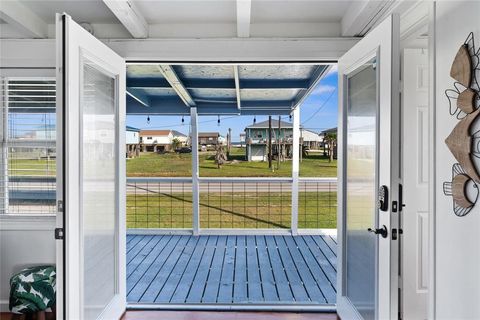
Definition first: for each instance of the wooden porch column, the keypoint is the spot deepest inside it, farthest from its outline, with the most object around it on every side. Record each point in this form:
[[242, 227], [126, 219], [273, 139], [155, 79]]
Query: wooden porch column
[[195, 176], [295, 168]]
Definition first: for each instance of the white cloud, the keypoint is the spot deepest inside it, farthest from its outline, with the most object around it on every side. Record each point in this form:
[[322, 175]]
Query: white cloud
[[321, 89]]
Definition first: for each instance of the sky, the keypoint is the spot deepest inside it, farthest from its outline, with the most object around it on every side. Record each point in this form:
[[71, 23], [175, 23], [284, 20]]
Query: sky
[[317, 113]]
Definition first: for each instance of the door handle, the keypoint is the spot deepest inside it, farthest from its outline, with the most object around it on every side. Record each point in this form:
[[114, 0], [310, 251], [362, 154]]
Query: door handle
[[382, 231]]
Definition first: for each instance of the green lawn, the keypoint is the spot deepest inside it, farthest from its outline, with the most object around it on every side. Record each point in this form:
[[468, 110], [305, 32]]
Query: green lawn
[[179, 165], [231, 210], [32, 167]]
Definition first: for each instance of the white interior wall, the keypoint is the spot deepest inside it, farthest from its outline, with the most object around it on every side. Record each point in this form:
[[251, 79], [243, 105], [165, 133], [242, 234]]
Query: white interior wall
[[457, 251], [25, 240]]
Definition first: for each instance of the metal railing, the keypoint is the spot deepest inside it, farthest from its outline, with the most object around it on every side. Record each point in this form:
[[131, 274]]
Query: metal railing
[[230, 203], [245, 203], [164, 203], [317, 203]]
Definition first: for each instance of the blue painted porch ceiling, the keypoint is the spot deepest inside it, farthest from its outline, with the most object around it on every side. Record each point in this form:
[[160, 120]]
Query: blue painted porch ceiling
[[264, 89]]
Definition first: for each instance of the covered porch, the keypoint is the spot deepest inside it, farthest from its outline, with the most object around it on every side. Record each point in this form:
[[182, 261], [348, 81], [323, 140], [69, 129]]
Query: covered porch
[[235, 271]]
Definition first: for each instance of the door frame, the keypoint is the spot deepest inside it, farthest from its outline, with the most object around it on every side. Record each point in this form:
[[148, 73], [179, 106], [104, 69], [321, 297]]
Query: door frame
[[386, 175], [74, 174], [310, 50]]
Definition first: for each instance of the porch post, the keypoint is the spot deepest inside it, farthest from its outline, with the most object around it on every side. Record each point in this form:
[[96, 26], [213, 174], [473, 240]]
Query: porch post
[[295, 168], [195, 182]]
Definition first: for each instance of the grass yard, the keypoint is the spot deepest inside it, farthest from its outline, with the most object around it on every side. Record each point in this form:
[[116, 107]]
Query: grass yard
[[232, 210], [32, 167], [179, 165]]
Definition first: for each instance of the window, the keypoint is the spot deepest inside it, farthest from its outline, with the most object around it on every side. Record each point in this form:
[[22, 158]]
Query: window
[[28, 146]]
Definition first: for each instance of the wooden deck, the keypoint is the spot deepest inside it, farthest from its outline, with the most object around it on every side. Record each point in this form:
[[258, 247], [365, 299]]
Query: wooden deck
[[231, 269]]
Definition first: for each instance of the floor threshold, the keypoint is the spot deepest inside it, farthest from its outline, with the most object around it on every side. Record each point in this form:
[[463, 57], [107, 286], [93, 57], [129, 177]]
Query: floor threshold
[[327, 308]]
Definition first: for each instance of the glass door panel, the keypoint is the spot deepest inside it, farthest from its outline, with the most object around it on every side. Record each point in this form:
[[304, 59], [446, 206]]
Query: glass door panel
[[361, 178], [99, 180]]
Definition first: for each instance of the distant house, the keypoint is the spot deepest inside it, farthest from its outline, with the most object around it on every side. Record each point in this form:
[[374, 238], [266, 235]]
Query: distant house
[[132, 140], [256, 137], [209, 138], [242, 139], [180, 137], [311, 139], [160, 140]]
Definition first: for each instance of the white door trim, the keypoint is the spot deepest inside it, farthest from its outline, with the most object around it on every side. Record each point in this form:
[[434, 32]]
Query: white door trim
[[72, 47], [385, 39]]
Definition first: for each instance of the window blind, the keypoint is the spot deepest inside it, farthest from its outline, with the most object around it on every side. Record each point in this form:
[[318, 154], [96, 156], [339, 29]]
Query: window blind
[[28, 146]]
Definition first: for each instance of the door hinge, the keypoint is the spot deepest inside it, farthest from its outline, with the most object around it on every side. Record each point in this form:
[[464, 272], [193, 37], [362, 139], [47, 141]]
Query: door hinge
[[60, 206], [59, 234]]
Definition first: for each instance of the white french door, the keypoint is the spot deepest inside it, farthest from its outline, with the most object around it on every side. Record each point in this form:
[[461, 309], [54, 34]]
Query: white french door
[[367, 286], [90, 176]]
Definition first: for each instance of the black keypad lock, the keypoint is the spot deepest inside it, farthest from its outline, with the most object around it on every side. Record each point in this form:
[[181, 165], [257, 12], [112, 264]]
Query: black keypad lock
[[382, 203]]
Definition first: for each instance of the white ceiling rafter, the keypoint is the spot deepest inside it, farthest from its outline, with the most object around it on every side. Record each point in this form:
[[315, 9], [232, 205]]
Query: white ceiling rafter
[[237, 87], [169, 73], [22, 18], [244, 9], [362, 15], [130, 16]]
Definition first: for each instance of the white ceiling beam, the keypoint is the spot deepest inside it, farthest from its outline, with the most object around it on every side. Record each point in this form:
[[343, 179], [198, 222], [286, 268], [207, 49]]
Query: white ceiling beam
[[129, 15], [362, 16], [169, 73], [244, 8], [236, 49], [24, 19], [139, 96], [359, 14], [237, 86]]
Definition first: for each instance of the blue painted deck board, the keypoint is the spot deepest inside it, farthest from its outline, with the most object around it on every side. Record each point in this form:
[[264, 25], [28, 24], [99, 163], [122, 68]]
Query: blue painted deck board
[[210, 293], [268, 281], [134, 242], [281, 280], [298, 288], [140, 258], [327, 251], [253, 271], [240, 290], [231, 269], [184, 284], [304, 271], [145, 280], [162, 276], [322, 271], [191, 250], [225, 291], [133, 252], [199, 282]]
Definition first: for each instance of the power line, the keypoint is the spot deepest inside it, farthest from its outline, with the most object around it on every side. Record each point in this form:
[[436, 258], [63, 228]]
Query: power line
[[321, 107]]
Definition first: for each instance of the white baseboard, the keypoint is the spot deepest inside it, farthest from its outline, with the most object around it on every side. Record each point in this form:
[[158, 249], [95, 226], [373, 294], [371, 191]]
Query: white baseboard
[[4, 306]]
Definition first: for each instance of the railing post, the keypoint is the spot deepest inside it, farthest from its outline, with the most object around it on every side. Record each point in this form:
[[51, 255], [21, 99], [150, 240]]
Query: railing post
[[295, 168], [195, 181]]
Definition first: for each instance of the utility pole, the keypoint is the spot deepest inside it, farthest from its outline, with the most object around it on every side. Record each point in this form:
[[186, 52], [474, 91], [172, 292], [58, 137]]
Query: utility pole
[[279, 135], [229, 141], [301, 145], [270, 142]]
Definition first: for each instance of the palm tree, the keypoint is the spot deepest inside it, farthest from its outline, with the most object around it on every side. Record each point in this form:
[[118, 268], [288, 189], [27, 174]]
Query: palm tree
[[176, 143], [331, 140]]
